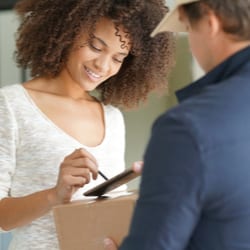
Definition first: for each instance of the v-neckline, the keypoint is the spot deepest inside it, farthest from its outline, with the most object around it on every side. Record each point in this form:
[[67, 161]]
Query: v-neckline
[[59, 129]]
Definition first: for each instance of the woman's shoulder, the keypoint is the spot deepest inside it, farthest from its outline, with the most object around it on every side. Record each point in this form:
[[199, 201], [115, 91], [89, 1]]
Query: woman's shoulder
[[113, 116], [12, 95], [10, 90], [111, 110]]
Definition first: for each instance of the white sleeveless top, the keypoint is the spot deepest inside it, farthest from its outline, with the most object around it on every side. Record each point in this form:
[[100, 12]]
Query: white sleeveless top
[[31, 150]]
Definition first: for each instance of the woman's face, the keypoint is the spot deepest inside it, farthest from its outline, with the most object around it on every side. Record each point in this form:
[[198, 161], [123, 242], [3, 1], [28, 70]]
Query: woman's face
[[94, 60]]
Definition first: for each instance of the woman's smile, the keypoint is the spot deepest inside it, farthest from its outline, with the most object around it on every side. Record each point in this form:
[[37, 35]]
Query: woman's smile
[[92, 75]]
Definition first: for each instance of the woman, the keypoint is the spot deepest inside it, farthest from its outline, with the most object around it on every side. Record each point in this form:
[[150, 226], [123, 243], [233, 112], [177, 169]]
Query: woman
[[55, 134]]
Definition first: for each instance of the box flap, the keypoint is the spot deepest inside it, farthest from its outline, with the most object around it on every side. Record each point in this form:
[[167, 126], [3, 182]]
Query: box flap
[[83, 225]]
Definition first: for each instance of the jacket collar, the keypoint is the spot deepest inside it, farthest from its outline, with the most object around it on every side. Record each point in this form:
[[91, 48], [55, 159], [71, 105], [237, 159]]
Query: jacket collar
[[221, 72]]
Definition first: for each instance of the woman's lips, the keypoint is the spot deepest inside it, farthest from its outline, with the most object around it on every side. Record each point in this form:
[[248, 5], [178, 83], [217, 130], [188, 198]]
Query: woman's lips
[[92, 75]]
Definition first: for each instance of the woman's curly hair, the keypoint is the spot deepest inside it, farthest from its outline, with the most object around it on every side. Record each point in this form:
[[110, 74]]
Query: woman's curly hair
[[49, 29]]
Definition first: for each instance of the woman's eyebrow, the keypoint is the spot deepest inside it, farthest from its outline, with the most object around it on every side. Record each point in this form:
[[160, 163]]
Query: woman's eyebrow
[[100, 40], [106, 45]]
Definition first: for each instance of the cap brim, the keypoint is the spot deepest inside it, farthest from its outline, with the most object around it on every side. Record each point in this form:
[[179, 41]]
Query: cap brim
[[169, 23]]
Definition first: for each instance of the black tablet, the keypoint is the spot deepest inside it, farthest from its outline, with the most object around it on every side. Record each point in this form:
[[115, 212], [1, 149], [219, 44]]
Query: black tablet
[[116, 181]]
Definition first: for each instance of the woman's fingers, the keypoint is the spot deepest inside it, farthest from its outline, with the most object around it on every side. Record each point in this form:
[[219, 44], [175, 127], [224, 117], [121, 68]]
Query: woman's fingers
[[81, 153], [80, 164], [78, 181], [76, 170]]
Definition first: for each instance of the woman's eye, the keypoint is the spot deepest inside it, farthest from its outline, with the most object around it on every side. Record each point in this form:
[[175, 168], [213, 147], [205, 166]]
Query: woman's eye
[[94, 47], [119, 60]]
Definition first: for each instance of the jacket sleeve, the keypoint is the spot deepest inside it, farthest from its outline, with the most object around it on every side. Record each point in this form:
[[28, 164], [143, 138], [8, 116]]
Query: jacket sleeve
[[170, 201]]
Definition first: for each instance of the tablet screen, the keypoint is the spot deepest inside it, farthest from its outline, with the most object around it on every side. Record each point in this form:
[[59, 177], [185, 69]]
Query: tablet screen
[[116, 181]]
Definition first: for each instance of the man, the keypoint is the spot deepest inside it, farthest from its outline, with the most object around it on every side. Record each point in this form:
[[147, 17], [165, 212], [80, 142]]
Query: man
[[195, 188]]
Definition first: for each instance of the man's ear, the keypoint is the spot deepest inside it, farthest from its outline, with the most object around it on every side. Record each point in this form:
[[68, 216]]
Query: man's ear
[[214, 23]]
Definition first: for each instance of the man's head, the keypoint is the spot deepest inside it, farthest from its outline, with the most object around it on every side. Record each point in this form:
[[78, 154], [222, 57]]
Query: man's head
[[217, 28], [234, 16]]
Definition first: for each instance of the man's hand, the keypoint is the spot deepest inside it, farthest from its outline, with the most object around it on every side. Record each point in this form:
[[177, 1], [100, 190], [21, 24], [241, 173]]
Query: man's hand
[[109, 244], [137, 166]]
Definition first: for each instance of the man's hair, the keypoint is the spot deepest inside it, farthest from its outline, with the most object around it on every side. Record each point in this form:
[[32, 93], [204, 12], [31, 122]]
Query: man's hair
[[49, 29], [233, 14]]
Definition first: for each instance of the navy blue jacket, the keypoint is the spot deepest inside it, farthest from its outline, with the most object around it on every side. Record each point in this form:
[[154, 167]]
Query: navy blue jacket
[[195, 188]]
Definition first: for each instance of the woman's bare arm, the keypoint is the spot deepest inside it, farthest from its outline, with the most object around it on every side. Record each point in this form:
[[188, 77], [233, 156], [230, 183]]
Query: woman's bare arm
[[76, 170]]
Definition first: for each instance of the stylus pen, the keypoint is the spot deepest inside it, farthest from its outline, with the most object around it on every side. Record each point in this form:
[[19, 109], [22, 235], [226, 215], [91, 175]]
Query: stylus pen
[[103, 176]]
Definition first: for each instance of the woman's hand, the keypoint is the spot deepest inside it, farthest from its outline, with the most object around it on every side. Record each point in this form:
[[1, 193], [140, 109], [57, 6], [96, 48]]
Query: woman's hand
[[76, 170]]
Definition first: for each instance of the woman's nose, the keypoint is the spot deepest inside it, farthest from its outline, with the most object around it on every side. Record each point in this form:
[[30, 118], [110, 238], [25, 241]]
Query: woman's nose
[[103, 63]]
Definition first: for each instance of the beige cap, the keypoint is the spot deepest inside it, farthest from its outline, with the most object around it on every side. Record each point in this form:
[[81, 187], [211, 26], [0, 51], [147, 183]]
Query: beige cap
[[171, 20]]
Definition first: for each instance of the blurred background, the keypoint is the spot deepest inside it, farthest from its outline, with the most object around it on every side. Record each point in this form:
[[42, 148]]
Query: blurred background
[[138, 122]]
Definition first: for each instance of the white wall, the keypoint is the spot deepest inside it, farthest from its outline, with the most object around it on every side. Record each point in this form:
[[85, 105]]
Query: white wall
[[170, 3], [9, 73], [139, 122]]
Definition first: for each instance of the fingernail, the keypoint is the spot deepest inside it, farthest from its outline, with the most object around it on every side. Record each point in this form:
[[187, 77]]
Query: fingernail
[[107, 242], [137, 166]]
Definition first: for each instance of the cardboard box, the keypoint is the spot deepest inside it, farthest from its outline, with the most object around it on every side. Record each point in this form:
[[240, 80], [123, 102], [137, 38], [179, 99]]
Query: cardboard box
[[83, 225]]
